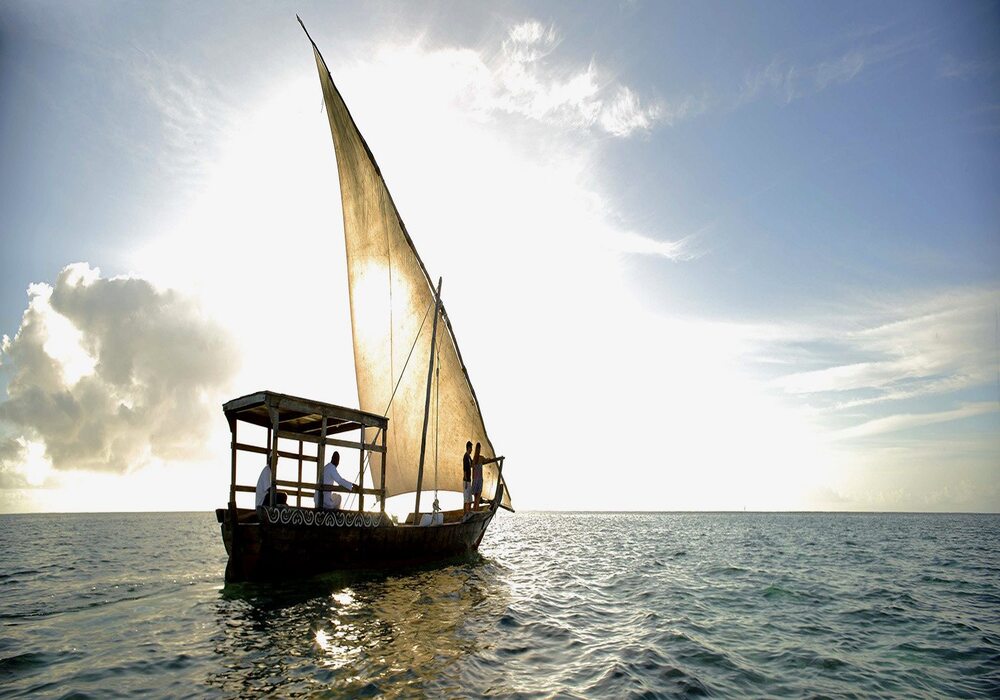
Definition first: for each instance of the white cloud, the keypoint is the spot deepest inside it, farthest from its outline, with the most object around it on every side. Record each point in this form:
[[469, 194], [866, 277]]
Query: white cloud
[[193, 114], [927, 346], [916, 420], [841, 70], [624, 114], [792, 80], [530, 41], [156, 369], [951, 67], [773, 77], [626, 242], [789, 82], [523, 81]]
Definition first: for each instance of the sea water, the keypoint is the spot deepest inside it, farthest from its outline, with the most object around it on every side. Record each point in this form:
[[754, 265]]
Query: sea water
[[574, 605]]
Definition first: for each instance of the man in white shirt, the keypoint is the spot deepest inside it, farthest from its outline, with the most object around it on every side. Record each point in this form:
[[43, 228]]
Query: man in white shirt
[[264, 487], [331, 500]]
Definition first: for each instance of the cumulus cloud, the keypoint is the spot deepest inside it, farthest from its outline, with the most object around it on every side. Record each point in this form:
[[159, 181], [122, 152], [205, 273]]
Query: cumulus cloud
[[11, 455], [105, 374]]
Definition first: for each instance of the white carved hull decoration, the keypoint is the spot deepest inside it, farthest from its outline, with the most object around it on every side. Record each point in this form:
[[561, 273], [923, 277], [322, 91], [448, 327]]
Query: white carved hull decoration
[[322, 518]]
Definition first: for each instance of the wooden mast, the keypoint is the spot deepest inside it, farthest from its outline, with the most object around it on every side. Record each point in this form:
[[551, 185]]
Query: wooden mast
[[427, 403]]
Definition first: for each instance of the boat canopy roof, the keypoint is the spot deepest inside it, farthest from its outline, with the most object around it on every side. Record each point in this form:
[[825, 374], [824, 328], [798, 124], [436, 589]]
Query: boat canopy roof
[[298, 415]]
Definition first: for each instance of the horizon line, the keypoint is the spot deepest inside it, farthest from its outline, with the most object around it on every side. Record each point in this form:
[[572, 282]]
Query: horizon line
[[575, 512]]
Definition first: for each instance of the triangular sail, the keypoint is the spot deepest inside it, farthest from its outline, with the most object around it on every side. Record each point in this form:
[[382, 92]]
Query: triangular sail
[[391, 302]]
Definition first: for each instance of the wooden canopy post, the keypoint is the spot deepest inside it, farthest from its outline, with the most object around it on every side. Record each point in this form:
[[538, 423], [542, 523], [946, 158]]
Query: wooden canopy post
[[267, 454], [272, 457], [298, 495], [427, 403], [361, 472], [232, 481], [382, 443], [320, 463]]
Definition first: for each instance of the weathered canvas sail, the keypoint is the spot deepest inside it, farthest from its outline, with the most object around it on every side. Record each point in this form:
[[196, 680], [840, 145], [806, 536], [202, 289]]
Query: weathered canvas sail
[[392, 306]]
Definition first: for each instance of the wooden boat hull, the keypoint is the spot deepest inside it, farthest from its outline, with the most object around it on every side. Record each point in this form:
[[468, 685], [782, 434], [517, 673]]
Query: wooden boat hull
[[285, 542]]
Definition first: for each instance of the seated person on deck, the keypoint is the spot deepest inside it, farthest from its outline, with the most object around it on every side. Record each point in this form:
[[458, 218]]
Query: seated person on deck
[[264, 489], [331, 500]]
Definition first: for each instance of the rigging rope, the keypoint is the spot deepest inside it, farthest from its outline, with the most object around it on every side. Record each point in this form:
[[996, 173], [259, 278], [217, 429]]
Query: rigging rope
[[405, 364]]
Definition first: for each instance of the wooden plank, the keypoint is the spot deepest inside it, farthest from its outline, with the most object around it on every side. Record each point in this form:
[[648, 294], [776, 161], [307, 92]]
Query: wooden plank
[[290, 435], [331, 429], [293, 403], [295, 485], [265, 451], [284, 402], [328, 487], [345, 428], [245, 489], [247, 401], [356, 445]]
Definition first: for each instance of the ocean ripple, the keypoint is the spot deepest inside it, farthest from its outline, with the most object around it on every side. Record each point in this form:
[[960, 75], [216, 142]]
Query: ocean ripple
[[568, 605]]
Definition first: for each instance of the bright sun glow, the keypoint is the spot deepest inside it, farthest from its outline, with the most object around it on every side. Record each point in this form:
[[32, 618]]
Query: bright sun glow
[[64, 341], [484, 203]]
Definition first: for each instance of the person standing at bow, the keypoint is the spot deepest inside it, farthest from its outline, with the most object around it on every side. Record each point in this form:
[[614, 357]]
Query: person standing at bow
[[467, 477], [478, 460]]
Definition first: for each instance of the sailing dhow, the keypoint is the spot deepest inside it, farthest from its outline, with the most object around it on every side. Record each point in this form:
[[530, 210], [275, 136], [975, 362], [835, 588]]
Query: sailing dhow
[[417, 411]]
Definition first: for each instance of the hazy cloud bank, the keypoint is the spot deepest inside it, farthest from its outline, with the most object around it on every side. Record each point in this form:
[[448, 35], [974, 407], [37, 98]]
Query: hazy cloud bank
[[917, 349], [108, 373]]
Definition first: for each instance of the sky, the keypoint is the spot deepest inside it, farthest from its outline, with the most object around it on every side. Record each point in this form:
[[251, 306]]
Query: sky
[[698, 256]]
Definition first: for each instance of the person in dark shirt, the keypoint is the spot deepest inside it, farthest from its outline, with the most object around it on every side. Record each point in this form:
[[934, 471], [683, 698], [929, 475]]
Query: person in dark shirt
[[478, 460], [467, 477]]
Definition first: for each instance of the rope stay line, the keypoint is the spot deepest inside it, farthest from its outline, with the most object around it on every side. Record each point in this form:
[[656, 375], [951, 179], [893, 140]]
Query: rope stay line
[[405, 364]]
